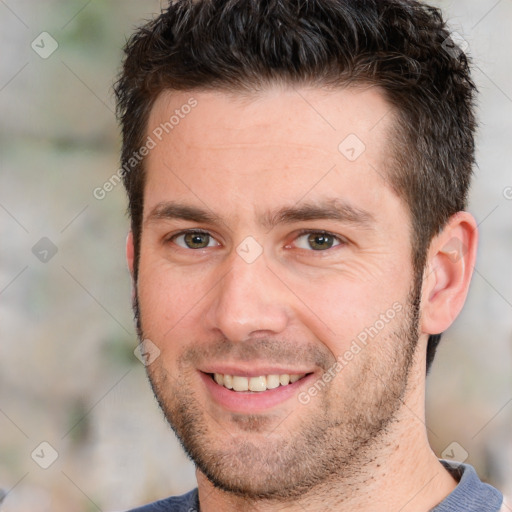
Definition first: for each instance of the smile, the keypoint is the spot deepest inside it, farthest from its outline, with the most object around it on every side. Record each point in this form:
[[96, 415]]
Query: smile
[[257, 384], [253, 394]]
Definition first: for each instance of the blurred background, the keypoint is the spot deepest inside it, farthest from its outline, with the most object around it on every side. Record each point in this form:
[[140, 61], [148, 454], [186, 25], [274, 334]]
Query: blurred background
[[79, 427]]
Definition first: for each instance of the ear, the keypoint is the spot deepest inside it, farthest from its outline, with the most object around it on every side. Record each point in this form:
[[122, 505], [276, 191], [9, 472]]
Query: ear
[[130, 252], [449, 267]]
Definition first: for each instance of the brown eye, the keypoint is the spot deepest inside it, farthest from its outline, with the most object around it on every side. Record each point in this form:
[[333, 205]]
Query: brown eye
[[194, 240], [317, 241]]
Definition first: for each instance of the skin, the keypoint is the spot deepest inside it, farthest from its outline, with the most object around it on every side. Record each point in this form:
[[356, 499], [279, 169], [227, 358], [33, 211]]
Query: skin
[[359, 443]]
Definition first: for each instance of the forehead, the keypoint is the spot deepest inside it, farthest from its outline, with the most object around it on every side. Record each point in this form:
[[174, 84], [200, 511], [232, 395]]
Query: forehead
[[279, 145], [273, 112]]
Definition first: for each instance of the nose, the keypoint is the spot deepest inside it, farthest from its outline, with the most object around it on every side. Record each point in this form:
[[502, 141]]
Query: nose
[[248, 301]]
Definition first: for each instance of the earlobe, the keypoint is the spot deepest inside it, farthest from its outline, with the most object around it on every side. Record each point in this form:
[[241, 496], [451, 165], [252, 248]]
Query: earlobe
[[130, 252], [450, 262]]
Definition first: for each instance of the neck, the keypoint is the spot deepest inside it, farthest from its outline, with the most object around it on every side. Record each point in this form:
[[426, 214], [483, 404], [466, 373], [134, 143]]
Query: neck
[[400, 472]]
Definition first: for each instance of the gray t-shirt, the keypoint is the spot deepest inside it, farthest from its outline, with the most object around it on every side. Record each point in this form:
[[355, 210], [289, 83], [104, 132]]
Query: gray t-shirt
[[470, 495]]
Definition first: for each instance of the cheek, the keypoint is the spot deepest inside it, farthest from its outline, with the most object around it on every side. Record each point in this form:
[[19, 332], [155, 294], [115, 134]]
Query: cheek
[[338, 311], [169, 299]]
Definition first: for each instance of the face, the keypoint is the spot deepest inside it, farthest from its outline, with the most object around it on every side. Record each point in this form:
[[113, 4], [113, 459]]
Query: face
[[275, 278]]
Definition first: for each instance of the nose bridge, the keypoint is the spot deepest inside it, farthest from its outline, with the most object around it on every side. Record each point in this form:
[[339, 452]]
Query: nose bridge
[[248, 298]]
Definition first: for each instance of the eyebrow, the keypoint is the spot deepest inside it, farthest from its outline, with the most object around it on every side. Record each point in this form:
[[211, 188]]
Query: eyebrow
[[171, 210], [331, 209]]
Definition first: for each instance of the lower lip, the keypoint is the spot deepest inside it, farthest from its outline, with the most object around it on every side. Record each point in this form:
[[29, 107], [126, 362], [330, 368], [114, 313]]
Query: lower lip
[[252, 401]]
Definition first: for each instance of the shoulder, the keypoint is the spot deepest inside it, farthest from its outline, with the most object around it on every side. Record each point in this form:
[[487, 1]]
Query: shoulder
[[471, 494], [186, 503]]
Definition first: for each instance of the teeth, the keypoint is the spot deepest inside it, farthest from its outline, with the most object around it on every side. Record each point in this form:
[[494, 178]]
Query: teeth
[[240, 383], [258, 383], [284, 379], [261, 383], [228, 381], [272, 381]]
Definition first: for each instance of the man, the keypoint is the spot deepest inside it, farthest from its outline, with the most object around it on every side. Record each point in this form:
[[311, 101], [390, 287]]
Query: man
[[297, 175]]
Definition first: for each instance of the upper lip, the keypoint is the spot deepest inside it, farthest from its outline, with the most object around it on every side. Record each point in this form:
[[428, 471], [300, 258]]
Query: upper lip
[[244, 371]]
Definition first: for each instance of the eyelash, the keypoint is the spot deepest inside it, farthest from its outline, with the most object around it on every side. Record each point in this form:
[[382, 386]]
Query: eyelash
[[342, 241], [189, 232]]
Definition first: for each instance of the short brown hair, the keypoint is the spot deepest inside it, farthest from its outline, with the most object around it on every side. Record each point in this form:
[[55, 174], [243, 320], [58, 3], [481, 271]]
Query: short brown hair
[[402, 46]]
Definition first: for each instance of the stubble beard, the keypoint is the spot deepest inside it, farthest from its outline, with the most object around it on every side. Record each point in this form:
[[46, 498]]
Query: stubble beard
[[337, 435]]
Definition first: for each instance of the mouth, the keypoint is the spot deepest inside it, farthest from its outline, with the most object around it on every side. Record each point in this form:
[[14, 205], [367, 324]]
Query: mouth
[[253, 391], [256, 384]]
